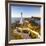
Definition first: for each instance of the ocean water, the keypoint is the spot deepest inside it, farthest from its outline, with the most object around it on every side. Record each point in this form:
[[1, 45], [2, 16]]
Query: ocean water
[[13, 20]]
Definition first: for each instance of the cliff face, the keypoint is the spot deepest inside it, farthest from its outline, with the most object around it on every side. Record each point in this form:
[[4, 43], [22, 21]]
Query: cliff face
[[36, 20]]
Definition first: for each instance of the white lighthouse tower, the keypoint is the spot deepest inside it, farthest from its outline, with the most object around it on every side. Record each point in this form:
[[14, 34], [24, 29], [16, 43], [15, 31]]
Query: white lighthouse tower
[[21, 20]]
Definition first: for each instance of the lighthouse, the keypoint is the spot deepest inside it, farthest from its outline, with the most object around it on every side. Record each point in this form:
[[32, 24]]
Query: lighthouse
[[21, 19]]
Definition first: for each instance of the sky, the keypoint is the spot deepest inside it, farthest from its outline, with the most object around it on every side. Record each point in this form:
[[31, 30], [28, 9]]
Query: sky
[[27, 11]]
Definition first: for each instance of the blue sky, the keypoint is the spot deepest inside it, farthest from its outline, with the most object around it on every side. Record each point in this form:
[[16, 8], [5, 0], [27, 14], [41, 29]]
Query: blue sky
[[27, 11]]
